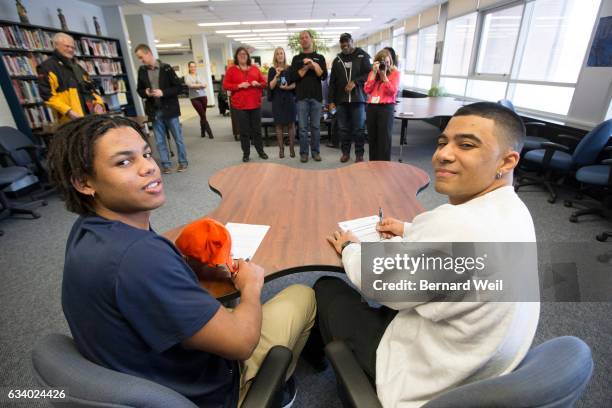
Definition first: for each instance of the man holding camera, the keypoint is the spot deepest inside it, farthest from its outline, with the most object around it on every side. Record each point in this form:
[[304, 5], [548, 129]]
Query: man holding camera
[[348, 74]]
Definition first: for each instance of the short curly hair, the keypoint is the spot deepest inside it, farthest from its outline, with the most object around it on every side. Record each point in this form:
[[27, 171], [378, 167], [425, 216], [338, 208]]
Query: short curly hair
[[71, 156]]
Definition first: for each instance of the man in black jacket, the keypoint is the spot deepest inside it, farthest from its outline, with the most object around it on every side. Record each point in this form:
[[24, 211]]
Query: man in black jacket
[[159, 86], [349, 72]]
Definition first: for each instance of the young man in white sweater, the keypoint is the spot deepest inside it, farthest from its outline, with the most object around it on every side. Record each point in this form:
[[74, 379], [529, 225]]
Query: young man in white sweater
[[414, 351]]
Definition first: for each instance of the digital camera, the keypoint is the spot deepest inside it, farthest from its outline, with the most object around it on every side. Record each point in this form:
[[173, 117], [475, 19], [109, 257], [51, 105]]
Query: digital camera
[[382, 66]]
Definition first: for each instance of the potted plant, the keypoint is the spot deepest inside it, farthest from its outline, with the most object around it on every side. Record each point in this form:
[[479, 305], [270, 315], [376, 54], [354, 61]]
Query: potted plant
[[437, 91]]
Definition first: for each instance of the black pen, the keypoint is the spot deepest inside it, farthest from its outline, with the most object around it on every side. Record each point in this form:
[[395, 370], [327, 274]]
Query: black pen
[[380, 218]]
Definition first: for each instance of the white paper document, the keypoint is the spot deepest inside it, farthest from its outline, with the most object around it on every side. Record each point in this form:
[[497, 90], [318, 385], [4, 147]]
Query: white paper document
[[246, 238], [364, 228]]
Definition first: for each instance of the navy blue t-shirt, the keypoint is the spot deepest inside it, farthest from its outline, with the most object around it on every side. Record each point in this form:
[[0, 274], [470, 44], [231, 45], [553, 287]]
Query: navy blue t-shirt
[[130, 299]]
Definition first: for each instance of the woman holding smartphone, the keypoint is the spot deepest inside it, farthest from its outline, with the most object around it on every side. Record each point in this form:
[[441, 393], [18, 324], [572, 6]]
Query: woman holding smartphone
[[283, 101], [381, 87], [197, 94]]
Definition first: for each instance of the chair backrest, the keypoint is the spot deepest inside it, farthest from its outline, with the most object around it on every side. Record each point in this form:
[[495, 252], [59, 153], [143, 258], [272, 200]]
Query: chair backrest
[[11, 140], [266, 107], [506, 103], [58, 364], [592, 144], [553, 374]]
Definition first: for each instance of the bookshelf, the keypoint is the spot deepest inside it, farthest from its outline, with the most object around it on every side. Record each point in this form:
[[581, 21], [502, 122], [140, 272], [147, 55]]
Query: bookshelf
[[24, 46]]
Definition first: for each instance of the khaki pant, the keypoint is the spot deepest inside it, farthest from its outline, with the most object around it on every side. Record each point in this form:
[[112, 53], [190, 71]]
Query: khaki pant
[[287, 320]]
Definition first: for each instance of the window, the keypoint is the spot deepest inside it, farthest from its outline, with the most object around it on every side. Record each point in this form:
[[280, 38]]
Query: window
[[411, 52], [426, 49], [556, 39], [500, 31], [486, 90], [458, 45], [418, 64], [530, 53], [398, 45]]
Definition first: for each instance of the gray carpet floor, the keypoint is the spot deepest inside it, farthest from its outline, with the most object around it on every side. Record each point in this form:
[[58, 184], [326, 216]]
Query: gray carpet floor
[[31, 259]]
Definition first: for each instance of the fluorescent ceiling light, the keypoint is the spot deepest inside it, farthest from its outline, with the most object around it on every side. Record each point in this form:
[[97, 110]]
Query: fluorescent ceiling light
[[229, 23], [241, 35], [339, 28], [156, 41], [269, 30], [169, 45], [263, 22], [273, 34], [171, 1], [232, 31], [324, 20], [348, 20]]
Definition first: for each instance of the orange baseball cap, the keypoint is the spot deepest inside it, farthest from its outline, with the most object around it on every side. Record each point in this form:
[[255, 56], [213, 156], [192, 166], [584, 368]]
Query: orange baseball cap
[[207, 241]]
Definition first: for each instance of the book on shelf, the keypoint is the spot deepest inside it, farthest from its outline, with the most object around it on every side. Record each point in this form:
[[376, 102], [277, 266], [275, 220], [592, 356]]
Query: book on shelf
[[37, 116], [23, 64], [27, 91], [31, 39]]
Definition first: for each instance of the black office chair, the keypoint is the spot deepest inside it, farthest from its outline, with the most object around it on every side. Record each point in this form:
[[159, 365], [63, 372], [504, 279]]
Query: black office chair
[[552, 375], [557, 159], [24, 153], [58, 364], [267, 118], [8, 176], [598, 176]]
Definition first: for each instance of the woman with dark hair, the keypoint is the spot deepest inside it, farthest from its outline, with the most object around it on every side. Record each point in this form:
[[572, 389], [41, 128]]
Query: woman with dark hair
[[197, 94], [283, 101], [245, 82], [381, 87]]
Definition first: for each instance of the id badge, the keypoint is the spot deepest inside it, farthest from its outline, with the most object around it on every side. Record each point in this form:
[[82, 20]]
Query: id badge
[[375, 99]]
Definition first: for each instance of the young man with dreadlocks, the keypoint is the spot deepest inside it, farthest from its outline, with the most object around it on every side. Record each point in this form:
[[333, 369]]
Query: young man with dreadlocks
[[132, 303]]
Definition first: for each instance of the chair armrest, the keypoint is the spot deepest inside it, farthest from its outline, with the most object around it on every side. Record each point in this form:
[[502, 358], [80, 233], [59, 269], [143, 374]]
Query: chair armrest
[[607, 162], [572, 140], [539, 124], [4, 159], [555, 146], [352, 381], [266, 390]]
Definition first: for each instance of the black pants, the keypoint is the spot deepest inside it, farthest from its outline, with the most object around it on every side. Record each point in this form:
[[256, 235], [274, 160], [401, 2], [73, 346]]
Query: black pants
[[379, 122], [342, 314], [249, 125]]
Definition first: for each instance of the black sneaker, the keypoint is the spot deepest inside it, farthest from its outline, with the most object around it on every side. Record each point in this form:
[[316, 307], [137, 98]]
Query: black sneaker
[[289, 393], [263, 155], [245, 158]]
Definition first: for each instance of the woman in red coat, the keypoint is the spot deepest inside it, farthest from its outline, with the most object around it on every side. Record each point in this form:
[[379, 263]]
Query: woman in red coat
[[246, 83]]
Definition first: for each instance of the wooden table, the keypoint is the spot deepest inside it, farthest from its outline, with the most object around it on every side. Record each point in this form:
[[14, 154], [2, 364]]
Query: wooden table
[[424, 108], [302, 207]]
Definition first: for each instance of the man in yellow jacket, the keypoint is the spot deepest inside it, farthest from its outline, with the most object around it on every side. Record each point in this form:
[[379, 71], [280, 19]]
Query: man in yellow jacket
[[64, 85]]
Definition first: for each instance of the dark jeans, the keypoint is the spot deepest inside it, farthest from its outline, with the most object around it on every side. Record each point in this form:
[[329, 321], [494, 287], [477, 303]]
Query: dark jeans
[[380, 129], [199, 104], [351, 123], [249, 125], [309, 118], [342, 314]]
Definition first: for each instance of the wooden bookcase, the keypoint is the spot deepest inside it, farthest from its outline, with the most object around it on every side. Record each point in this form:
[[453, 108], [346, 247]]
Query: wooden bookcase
[[24, 46]]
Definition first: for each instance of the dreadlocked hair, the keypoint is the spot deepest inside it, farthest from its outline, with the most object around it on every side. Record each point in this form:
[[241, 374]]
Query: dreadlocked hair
[[71, 156]]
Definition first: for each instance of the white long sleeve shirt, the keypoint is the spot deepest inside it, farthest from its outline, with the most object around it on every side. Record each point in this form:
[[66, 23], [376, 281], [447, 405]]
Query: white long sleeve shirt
[[432, 347]]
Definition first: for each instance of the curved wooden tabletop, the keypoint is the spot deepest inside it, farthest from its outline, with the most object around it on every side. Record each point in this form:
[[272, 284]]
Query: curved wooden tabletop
[[303, 206]]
